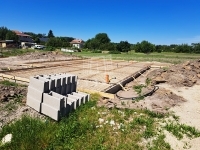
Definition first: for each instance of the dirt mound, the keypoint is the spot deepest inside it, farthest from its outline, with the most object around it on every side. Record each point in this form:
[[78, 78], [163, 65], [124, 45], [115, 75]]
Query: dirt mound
[[186, 74], [45, 55], [12, 92], [160, 102]]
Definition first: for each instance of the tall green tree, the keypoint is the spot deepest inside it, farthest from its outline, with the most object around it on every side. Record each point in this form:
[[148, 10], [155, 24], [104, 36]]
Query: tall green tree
[[3, 32], [145, 47], [50, 34], [10, 35], [102, 38], [123, 46]]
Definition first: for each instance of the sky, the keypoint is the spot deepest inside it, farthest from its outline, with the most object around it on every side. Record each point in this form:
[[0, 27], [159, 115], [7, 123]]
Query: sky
[[157, 21]]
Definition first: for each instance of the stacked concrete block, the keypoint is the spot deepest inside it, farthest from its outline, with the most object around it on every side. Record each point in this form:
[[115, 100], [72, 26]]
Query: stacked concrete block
[[84, 96], [36, 89], [55, 95], [53, 106]]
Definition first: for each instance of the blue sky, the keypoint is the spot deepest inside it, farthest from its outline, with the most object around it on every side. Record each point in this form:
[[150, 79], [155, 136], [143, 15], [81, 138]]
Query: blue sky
[[157, 21]]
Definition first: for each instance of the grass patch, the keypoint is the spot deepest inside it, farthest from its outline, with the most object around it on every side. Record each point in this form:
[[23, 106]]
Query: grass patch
[[168, 57], [159, 144], [120, 129], [10, 83], [179, 130], [15, 52]]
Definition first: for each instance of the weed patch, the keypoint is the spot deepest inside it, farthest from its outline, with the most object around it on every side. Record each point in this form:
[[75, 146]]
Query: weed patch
[[179, 130]]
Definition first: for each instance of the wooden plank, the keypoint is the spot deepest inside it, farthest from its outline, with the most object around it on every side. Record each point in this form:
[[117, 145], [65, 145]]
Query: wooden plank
[[10, 77], [108, 95]]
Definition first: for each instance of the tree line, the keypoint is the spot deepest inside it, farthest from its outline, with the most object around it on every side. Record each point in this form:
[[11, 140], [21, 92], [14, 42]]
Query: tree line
[[102, 42]]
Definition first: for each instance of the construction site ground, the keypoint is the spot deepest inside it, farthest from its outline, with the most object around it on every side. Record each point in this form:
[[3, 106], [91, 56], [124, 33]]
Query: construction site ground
[[177, 92]]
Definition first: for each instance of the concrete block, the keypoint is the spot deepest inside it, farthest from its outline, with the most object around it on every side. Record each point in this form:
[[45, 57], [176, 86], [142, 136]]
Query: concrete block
[[81, 98], [51, 100], [85, 96], [68, 88], [63, 79], [57, 80], [64, 89], [33, 103], [36, 94], [71, 98], [73, 87], [73, 77], [56, 95], [42, 86], [78, 99], [51, 81], [51, 112], [88, 95], [58, 90]]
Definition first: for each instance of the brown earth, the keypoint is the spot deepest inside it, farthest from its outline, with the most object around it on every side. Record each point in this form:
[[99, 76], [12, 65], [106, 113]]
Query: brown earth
[[185, 74]]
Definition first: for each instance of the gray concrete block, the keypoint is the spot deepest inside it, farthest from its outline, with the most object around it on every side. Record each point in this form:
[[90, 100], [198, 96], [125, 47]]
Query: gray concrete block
[[57, 80], [51, 81], [71, 98], [73, 87], [78, 99], [68, 88], [51, 100], [88, 95], [81, 98], [73, 77], [70, 105], [51, 112], [36, 94], [85, 96], [63, 79], [33, 103], [42, 86], [64, 90], [58, 90]]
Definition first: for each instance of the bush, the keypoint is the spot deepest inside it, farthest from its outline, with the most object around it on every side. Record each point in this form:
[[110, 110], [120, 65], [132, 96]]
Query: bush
[[50, 48], [114, 52], [96, 51]]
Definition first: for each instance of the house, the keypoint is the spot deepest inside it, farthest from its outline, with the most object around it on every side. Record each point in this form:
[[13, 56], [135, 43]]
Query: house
[[8, 44], [78, 43], [25, 40]]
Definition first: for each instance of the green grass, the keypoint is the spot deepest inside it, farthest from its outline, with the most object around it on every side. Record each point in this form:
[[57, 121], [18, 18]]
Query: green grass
[[82, 130], [15, 52], [179, 130], [159, 144], [161, 57], [10, 83]]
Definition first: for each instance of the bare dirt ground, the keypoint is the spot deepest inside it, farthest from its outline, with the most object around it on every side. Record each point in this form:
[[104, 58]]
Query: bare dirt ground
[[27, 60], [177, 92], [175, 89]]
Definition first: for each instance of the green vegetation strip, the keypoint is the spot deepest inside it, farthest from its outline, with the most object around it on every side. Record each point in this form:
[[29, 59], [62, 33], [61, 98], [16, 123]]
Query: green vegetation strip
[[168, 57]]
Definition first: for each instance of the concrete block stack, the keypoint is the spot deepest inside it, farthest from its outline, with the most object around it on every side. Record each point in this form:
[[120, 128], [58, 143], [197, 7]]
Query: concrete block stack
[[55, 95]]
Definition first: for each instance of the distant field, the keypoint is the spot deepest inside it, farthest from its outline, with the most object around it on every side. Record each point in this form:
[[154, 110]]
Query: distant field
[[161, 57]]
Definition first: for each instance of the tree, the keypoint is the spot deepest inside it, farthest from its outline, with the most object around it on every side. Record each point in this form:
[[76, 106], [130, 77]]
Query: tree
[[50, 34], [102, 38], [3, 32], [144, 47], [123, 46], [11, 36]]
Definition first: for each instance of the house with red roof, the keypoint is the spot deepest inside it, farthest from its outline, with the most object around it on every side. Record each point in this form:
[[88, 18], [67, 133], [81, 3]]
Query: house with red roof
[[78, 43], [25, 40]]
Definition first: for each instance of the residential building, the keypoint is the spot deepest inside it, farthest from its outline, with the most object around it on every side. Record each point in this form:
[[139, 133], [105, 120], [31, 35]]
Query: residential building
[[78, 43], [25, 40]]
